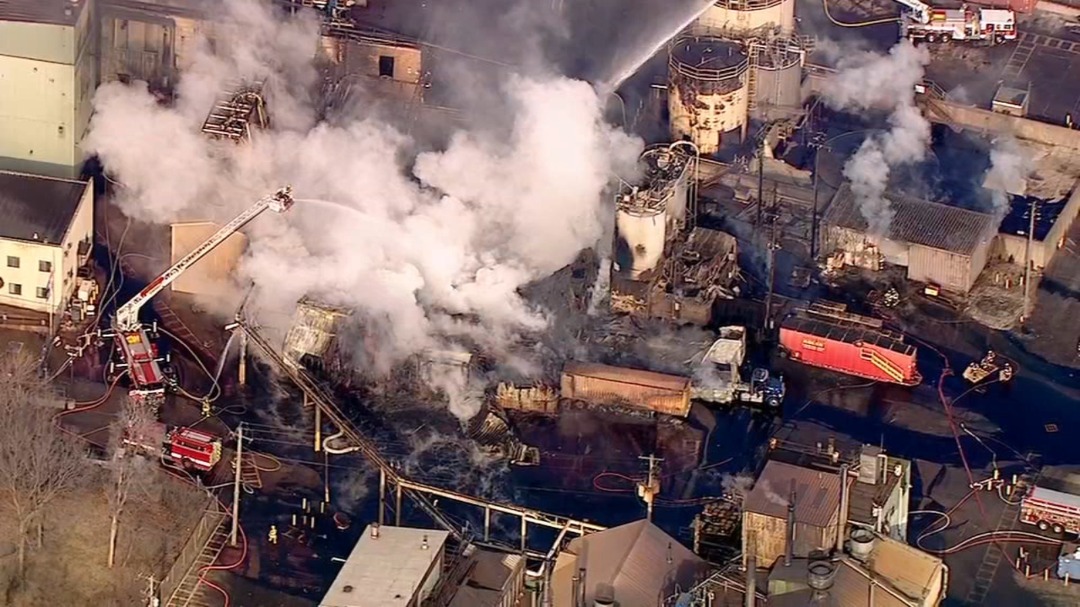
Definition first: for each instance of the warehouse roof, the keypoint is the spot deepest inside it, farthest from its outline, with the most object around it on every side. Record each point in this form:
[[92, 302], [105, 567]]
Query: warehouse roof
[[921, 222], [628, 376], [639, 560], [52, 12], [817, 493], [38, 209], [387, 569]]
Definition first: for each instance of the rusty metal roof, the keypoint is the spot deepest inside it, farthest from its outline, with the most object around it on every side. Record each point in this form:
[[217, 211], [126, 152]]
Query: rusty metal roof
[[817, 493], [921, 222], [641, 562], [628, 376], [52, 12]]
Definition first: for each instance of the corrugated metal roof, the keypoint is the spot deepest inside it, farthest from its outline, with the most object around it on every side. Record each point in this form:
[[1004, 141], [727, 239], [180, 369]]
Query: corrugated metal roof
[[817, 493], [908, 569], [629, 376], [930, 224], [394, 564], [56, 12], [639, 560]]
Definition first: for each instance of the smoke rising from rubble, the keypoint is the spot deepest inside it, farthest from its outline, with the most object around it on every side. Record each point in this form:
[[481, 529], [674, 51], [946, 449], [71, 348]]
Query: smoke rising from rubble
[[430, 239], [1010, 165], [872, 81]]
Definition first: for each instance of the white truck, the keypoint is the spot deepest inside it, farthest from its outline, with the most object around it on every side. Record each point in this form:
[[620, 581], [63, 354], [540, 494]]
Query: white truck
[[923, 22], [718, 379]]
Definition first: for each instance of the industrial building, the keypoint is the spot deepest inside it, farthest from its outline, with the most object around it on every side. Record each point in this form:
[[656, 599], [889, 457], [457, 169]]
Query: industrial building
[[1053, 219], [790, 511], [938, 244], [312, 337], [149, 40], [387, 66], [633, 564], [492, 579], [213, 273], [49, 70], [390, 566], [880, 497], [46, 236], [876, 572]]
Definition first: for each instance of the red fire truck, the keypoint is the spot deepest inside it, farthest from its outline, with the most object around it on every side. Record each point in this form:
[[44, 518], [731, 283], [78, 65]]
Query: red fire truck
[[1051, 510], [192, 450]]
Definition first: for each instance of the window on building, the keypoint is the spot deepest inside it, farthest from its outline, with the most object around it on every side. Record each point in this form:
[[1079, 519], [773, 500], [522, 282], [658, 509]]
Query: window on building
[[12, 261], [44, 266], [42, 293], [15, 289], [386, 66]]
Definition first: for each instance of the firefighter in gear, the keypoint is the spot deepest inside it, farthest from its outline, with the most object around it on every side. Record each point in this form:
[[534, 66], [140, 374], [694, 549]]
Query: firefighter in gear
[[273, 534], [207, 411]]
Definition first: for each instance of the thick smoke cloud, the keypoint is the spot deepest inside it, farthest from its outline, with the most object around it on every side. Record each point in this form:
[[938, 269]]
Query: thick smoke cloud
[[872, 81], [428, 246]]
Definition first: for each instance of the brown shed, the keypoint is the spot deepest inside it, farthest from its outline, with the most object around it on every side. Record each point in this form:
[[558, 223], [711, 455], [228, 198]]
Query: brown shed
[[765, 512], [633, 388]]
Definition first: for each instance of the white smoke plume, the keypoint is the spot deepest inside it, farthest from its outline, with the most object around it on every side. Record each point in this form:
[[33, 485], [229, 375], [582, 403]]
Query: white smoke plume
[[872, 81], [1010, 165], [425, 245]]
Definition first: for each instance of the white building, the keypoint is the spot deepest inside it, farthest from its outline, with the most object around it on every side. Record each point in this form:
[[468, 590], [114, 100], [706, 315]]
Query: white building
[[46, 235], [389, 567], [48, 74]]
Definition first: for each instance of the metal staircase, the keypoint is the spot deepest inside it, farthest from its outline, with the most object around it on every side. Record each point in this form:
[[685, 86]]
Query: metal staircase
[[190, 591], [236, 110], [883, 363]]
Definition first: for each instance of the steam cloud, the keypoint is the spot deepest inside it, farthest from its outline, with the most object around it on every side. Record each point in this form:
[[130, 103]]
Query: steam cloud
[[1010, 165], [415, 241], [872, 81]]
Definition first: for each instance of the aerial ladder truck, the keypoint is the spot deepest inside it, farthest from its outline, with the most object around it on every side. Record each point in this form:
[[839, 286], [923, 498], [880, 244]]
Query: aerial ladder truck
[[136, 350], [921, 22]]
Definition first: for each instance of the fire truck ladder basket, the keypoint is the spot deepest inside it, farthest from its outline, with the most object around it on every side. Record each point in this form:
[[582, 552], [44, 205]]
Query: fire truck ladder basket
[[189, 592], [883, 363]]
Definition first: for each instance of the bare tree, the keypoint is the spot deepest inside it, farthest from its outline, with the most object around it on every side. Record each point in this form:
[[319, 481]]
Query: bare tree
[[38, 462], [132, 472]]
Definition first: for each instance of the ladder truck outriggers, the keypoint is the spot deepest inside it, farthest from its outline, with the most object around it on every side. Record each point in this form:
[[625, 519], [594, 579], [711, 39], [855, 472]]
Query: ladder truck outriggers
[[923, 22], [135, 346]]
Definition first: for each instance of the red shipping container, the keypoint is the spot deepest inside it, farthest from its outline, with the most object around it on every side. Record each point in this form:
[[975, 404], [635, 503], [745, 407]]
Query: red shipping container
[[849, 346]]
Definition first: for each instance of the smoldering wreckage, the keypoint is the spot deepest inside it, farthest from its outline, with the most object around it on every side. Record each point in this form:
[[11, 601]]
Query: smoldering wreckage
[[494, 305]]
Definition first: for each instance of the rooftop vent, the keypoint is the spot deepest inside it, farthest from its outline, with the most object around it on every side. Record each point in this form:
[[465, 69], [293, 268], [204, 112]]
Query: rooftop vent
[[605, 596], [820, 576], [862, 544], [424, 544], [347, 588], [375, 531]]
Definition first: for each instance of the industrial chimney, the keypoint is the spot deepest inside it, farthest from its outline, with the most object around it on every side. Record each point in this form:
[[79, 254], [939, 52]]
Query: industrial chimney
[[842, 516], [789, 539], [751, 580], [604, 595]]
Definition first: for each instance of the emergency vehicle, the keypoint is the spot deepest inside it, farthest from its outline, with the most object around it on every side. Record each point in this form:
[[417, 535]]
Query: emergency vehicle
[[192, 450], [1051, 510], [990, 25]]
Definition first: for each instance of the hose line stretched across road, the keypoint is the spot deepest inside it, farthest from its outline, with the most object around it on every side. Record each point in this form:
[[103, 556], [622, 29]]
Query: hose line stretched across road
[[825, 5]]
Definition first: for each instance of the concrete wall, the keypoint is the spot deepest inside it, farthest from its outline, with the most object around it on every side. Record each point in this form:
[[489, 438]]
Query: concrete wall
[[992, 122], [48, 75], [213, 273], [63, 258]]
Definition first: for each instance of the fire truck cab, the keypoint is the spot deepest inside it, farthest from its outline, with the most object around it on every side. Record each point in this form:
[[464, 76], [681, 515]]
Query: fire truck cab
[[1051, 510]]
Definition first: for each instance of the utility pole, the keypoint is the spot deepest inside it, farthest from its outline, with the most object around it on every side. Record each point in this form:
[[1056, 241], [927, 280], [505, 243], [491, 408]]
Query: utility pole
[[772, 247], [1027, 262], [239, 461], [760, 179], [647, 491], [152, 599], [818, 144]]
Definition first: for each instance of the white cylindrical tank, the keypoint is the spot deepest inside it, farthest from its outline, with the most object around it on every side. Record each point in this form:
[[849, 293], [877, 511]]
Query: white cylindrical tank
[[707, 92], [740, 17], [642, 233], [779, 73]]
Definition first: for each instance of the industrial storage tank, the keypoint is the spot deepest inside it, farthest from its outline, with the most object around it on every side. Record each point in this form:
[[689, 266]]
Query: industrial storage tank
[[646, 215], [741, 17], [778, 73], [707, 92]]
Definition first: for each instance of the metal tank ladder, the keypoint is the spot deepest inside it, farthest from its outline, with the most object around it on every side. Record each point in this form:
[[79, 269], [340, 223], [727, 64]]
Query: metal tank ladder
[[755, 48], [190, 591]]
